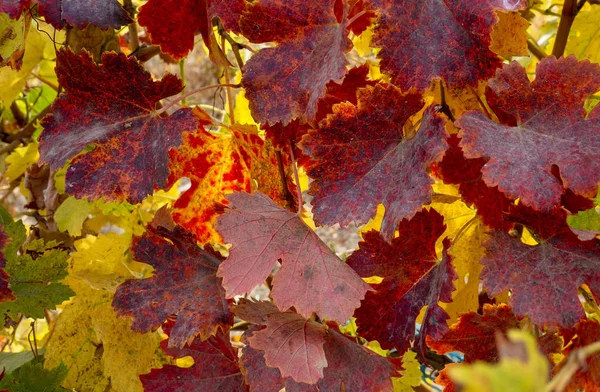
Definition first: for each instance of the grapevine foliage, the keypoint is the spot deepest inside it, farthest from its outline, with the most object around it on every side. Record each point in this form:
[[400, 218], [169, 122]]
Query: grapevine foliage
[[159, 232]]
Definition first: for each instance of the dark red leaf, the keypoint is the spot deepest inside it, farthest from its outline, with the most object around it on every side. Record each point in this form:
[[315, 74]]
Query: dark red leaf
[[360, 158], [172, 24], [215, 369], [312, 278], [447, 39], [550, 129], [290, 342], [543, 278], [287, 81], [184, 284], [59, 13], [351, 367], [111, 106], [475, 335], [411, 280]]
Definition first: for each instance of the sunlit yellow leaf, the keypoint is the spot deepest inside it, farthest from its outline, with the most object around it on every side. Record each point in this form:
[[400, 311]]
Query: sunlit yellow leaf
[[20, 159], [100, 350], [71, 214], [411, 374]]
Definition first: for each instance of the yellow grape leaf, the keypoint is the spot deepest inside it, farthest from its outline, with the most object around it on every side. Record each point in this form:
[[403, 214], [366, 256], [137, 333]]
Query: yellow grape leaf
[[411, 375], [467, 233], [103, 262], [11, 81], [241, 110], [12, 39], [218, 164], [528, 374], [586, 35], [100, 350], [460, 100], [362, 43], [20, 159], [70, 215], [509, 36]]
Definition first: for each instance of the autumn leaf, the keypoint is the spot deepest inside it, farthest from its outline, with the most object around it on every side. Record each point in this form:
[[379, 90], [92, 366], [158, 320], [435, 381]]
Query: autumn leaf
[[60, 13], [174, 31], [475, 334], [287, 81], [311, 278], [5, 293], [587, 377], [350, 366], [540, 129], [184, 284], [445, 39], [526, 373], [411, 280], [12, 40], [360, 158], [218, 164], [215, 367], [290, 342], [98, 348], [543, 278], [111, 106]]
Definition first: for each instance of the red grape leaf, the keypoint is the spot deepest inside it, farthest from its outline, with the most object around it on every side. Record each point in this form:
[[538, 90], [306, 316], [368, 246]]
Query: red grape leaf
[[59, 13], [312, 278], [411, 280], [474, 334], [184, 284], [290, 342], [287, 81], [447, 39], [549, 129], [351, 367], [111, 106], [360, 158], [215, 369], [6, 294], [335, 93], [218, 164], [544, 278], [587, 378], [172, 24]]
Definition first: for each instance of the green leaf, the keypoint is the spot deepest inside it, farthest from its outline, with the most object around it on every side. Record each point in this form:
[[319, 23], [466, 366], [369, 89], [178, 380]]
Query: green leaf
[[35, 281], [71, 214], [12, 361], [33, 377]]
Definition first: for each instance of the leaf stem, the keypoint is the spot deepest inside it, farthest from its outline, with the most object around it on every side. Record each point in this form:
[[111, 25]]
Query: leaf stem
[[297, 178], [227, 89], [355, 17], [569, 11], [190, 93], [535, 49], [134, 40]]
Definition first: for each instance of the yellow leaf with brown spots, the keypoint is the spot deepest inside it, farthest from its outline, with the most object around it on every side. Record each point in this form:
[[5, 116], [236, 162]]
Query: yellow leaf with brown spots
[[509, 36]]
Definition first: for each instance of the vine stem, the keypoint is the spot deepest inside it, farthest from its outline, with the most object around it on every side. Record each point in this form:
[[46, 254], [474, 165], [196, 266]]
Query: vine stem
[[569, 11], [297, 178], [190, 93], [577, 359]]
